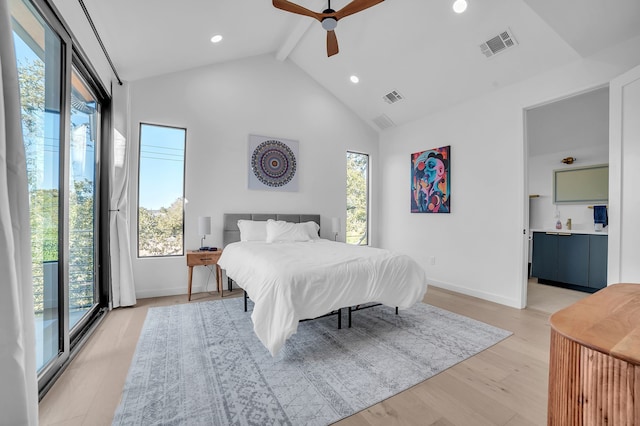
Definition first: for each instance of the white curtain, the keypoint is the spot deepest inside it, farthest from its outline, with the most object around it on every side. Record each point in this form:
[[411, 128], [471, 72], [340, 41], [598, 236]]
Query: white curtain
[[18, 383], [123, 291]]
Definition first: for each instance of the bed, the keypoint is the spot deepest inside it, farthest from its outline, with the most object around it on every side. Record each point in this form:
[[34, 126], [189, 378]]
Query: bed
[[294, 275]]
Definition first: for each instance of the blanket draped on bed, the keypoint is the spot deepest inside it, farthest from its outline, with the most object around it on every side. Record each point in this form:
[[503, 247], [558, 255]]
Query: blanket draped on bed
[[292, 281]]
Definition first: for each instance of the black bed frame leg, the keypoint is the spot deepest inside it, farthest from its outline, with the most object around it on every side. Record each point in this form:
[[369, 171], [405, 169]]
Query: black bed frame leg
[[350, 316], [245, 300], [229, 284], [396, 310], [339, 318]]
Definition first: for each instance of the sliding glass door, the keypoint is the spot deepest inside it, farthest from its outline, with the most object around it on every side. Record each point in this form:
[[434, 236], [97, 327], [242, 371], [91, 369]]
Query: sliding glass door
[[39, 56], [61, 116], [84, 132]]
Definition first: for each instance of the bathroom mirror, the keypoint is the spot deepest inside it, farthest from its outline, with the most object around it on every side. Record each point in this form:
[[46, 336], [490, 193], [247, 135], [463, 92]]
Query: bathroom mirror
[[581, 184]]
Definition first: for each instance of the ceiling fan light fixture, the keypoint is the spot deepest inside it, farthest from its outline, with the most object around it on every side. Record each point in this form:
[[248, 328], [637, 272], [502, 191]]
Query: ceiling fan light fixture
[[460, 6], [216, 38], [354, 79], [329, 24], [328, 18]]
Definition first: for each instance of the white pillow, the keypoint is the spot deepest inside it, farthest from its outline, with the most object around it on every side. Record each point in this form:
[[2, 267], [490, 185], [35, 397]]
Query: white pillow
[[252, 230], [312, 229], [279, 230]]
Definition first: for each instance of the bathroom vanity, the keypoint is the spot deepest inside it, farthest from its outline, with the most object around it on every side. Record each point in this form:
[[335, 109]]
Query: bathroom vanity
[[572, 259]]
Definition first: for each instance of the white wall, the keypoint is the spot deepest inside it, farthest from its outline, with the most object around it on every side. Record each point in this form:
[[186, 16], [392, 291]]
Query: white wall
[[480, 248], [220, 106], [571, 123]]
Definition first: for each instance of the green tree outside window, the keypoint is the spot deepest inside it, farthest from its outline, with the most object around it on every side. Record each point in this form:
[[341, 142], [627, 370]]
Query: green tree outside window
[[357, 198]]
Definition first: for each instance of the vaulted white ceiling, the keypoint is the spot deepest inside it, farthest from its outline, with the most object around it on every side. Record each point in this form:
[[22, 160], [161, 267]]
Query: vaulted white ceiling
[[420, 48]]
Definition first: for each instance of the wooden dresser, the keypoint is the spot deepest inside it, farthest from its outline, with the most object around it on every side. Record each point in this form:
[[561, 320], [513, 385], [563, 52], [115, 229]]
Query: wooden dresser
[[594, 366]]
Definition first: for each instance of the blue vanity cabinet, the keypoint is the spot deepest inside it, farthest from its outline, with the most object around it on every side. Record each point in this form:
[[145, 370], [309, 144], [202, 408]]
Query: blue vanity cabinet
[[571, 260], [598, 249], [544, 264]]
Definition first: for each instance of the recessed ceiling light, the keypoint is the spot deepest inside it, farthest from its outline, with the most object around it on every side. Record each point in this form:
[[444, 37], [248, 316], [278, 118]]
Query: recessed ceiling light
[[460, 6], [354, 79], [216, 38]]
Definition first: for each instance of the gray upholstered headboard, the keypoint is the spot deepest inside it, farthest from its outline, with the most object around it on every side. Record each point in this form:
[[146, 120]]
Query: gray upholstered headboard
[[231, 233]]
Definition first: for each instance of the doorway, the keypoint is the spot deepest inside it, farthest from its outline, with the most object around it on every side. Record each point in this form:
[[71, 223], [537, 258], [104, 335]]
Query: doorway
[[561, 134]]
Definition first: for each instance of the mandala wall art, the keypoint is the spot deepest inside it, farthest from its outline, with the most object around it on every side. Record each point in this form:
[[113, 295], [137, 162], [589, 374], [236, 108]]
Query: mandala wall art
[[273, 163], [431, 181]]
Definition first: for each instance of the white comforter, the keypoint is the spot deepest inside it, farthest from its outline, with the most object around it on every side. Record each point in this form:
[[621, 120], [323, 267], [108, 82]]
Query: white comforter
[[292, 281]]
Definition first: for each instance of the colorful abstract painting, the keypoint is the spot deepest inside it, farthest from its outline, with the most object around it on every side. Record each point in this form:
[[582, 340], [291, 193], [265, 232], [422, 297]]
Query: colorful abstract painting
[[430, 181]]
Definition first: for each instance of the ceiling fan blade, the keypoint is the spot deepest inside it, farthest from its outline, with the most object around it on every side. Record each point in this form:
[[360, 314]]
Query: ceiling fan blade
[[332, 43], [294, 8], [354, 7]]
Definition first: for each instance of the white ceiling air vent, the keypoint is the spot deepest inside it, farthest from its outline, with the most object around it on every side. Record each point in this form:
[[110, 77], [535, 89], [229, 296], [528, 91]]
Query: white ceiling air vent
[[498, 44], [383, 122], [393, 97]]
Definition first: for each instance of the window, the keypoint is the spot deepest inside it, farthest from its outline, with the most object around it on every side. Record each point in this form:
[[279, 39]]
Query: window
[[161, 191], [357, 198]]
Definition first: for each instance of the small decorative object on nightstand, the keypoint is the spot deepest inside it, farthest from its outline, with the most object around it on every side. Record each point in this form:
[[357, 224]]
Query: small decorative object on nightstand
[[204, 257]]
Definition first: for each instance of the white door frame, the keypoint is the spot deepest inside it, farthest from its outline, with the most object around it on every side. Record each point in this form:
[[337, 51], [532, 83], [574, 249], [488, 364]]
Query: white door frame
[[525, 218]]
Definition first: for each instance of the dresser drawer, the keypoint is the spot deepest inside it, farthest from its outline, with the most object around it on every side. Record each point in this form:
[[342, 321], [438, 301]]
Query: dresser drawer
[[195, 258]]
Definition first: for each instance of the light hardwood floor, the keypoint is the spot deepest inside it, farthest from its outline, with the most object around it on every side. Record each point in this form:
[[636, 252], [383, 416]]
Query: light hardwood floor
[[548, 298], [503, 385]]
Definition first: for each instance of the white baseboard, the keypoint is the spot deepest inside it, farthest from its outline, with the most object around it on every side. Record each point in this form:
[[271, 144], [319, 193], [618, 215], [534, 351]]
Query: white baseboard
[[174, 291], [475, 293], [160, 292]]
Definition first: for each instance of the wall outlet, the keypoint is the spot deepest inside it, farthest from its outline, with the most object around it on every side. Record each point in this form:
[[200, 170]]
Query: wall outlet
[[432, 260]]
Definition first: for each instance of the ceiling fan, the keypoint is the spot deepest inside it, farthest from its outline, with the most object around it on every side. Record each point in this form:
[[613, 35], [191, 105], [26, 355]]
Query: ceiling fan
[[328, 18]]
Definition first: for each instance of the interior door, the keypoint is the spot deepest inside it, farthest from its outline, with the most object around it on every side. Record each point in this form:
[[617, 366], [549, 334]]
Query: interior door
[[624, 175]]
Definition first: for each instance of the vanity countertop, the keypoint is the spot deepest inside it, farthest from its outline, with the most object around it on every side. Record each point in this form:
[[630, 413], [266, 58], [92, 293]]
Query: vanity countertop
[[572, 231]]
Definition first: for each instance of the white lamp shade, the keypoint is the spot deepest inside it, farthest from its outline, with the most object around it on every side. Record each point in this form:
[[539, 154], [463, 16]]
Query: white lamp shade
[[204, 225], [335, 225]]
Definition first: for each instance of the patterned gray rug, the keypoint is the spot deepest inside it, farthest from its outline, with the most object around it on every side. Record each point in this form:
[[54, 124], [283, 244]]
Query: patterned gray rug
[[201, 364]]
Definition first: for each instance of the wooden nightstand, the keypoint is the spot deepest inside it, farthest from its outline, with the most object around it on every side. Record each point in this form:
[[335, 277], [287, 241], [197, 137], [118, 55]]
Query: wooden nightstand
[[197, 257]]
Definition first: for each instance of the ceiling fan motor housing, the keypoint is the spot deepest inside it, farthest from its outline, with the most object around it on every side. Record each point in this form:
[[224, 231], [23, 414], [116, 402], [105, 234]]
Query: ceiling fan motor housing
[[329, 23]]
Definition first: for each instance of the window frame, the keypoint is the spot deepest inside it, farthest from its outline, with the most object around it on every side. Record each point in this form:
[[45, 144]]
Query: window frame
[[184, 171], [367, 198]]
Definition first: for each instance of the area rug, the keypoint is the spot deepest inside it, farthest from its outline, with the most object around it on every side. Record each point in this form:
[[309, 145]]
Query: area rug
[[201, 364]]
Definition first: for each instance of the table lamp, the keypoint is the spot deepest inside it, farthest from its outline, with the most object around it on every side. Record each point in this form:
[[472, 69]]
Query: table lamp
[[204, 229], [335, 227]]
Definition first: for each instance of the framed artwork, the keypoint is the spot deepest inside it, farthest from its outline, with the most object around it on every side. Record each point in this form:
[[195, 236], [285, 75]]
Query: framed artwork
[[273, 164], [430, 181]]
